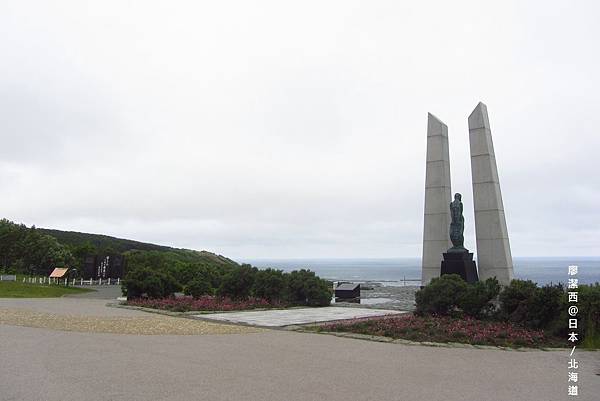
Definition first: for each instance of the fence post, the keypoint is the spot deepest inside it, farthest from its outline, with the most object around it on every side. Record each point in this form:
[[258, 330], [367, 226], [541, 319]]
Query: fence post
[[118, 278]]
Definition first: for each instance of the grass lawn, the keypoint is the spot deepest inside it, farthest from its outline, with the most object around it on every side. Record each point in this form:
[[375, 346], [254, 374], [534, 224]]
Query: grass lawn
[[16, 289]]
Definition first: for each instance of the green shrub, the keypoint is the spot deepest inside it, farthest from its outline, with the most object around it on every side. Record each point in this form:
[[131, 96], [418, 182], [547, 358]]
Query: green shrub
[[477, 300], [301, 287], [513, 299], [269, 284], [198, 287], [237, 283], [305, 288], [187, 272], [522, 302], [535, 307], [441, 296], [589, 314], [147, 282], [545, 307]]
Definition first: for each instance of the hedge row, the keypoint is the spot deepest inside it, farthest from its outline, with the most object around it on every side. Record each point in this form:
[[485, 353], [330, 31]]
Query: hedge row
[[522, 302], [301, 287]]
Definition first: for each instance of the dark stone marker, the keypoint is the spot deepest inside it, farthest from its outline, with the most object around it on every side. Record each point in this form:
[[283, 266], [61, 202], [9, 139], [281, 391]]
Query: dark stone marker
[[89, 266], [460, 263], [347, 291], [103, 266]]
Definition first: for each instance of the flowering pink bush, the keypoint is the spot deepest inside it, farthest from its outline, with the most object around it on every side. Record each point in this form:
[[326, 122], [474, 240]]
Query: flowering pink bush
[[204, 303], [446, 329]]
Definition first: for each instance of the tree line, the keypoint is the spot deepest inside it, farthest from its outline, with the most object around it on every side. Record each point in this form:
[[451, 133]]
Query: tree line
[[36, 251]]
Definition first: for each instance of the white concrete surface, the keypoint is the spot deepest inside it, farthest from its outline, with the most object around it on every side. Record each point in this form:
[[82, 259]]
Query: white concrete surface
[[494, 258], [287, 317], [438, 195]]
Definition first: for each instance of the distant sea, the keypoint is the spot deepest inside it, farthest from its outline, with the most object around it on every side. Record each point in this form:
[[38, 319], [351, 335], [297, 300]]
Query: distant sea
[[393, 271]]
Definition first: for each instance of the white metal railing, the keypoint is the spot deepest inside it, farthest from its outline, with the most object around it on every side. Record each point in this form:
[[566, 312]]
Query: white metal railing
[[74, 281], [100, 281]]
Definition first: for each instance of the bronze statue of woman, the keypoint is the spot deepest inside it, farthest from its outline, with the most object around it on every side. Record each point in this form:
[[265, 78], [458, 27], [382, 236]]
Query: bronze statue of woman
[[457, 226]]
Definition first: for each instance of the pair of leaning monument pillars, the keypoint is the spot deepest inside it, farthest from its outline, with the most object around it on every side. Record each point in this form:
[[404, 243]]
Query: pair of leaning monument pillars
[[493, 249]]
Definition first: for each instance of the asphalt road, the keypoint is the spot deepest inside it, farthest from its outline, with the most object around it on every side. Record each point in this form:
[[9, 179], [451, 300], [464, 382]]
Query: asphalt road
[[100, 292], [42, 364]]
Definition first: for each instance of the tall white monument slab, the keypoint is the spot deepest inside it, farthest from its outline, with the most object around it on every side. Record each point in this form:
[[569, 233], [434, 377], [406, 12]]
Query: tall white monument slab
[[493, 248], [438, 195]]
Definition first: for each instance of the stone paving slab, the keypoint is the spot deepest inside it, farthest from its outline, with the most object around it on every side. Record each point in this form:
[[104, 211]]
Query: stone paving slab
[[287, 317]]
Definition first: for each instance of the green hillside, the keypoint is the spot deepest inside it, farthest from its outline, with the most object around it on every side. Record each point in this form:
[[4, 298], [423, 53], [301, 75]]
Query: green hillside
[[108, 244], [101, 242], [31, 250]]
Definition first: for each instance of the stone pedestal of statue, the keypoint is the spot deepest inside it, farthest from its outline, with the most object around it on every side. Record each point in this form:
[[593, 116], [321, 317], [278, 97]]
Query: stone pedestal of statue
[[460, 261]]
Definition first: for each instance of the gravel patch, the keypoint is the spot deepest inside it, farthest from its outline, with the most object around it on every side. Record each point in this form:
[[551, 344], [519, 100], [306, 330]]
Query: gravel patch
[[93, 316]]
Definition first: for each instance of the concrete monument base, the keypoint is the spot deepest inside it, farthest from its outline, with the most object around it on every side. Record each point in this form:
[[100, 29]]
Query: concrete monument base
[[460, 263]]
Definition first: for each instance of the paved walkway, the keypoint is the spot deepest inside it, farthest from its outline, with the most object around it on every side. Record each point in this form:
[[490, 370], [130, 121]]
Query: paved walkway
[[287, 317], [100, 292], [49, 364], [273, 365]]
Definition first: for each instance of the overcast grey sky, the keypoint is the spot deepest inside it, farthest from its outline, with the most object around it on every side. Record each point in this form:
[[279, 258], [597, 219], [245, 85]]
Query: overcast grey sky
[[296, 129]]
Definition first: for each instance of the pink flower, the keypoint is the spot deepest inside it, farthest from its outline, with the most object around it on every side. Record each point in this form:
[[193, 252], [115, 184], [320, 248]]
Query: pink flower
[[204, 303]]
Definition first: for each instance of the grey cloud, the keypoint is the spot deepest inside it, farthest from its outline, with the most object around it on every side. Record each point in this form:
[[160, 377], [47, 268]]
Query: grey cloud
[[273, 130]]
